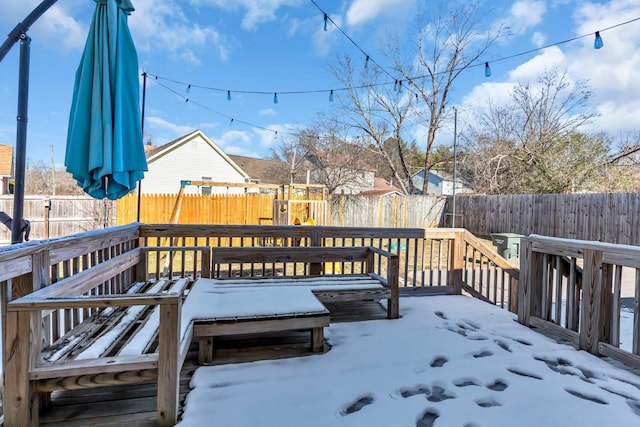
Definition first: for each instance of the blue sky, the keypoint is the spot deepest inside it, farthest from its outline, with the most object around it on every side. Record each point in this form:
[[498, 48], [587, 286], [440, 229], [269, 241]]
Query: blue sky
[[280, 45]]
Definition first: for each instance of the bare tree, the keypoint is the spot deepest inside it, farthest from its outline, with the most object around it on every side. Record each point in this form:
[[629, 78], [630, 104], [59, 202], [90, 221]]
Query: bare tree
[[328, 154], [445, 47], [375, 110], [533, 143]]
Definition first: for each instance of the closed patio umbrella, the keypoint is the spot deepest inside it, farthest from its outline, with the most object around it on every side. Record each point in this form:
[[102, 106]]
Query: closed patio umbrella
[[105, 152]]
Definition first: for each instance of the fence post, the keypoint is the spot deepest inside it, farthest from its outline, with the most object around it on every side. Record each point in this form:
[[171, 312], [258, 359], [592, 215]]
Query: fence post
[[592, 310]]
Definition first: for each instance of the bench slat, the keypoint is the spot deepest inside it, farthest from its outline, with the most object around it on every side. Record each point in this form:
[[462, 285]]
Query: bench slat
[[94, 366]]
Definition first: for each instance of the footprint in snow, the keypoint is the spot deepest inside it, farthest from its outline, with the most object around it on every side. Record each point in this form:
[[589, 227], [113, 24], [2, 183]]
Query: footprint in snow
[[441, 315], [427, 418], [483, 353], [357, 405], [523, 373], [498, 385], [585, 396], [439, 362]]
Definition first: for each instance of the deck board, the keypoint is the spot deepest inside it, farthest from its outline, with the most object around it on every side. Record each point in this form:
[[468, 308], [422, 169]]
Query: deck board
[[134, 405]]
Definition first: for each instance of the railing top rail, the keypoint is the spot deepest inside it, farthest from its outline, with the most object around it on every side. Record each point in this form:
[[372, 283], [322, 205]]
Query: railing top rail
[[70, 245], [204, 230], [612, 253], [490, 253]]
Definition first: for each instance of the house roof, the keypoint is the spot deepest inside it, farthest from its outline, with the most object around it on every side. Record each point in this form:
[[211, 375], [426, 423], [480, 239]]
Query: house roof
[[262, 170], [382, 188], [156, 152], [6, 159]]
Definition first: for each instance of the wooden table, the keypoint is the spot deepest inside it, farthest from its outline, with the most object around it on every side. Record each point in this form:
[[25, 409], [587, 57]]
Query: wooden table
[[221, 311]]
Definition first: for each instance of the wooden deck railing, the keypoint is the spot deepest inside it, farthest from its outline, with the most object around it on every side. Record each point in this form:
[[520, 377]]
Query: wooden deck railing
[[431, 261], [573, 288]]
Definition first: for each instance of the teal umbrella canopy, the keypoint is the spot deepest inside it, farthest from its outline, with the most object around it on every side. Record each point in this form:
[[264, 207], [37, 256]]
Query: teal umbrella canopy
[[105, 151]]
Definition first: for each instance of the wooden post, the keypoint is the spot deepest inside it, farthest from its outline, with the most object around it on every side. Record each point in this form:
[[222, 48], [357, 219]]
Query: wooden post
[[168, 363], [206, 264], [20, 403], [591, 322], [315, 268], [606, 303], [456, 265], [393, 271], [636, 317], [530, 286]]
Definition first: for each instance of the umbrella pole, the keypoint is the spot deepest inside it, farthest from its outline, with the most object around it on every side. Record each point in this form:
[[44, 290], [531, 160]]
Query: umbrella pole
[[144, 96], [17, 225]]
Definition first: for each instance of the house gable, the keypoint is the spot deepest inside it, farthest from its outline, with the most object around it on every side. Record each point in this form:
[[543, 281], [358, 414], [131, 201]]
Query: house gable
[[193, 157]]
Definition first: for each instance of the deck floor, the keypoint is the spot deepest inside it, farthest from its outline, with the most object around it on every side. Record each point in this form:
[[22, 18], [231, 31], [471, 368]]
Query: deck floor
[[135, 404]]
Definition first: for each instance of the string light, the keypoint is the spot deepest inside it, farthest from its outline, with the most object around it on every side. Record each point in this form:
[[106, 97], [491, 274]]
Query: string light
[[275, 98], [326, 18], [598, 43], [231, 119], [188, 88], [331, 96], [400, 86]]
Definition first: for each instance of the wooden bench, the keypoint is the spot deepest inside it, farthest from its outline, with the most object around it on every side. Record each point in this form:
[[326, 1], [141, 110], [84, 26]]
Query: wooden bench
[[368, 285], [216, 312], [129, 337]]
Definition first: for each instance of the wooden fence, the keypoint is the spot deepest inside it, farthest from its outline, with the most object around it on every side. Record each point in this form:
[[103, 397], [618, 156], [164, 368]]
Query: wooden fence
[[257, 209], [605, 217], [55, 216]]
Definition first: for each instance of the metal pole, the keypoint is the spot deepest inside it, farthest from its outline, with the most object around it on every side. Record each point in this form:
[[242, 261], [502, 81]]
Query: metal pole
[[21, 140], [144, 97], [24, 26], [455, 146]]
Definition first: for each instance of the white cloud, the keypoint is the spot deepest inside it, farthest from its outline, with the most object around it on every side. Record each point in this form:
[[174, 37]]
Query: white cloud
[[551, 57], [523, 15], [363, 11], [162, 124], [256, 12], [56, 27], [236, 142], [611, 71], [538, 39], [161, 26], [268, 112]]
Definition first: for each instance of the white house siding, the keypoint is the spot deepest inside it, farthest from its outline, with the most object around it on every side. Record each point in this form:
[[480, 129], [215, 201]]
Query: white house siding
[[193, 160]]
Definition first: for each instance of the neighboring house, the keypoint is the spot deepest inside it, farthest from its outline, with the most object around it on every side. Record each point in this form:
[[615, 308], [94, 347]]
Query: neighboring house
[[262, 171], [440, 183], [382, 188], [341, 174], [193, 157], [6, 167]]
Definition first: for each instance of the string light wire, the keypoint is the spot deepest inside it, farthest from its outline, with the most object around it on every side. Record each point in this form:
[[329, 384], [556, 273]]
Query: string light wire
[[481, 63]]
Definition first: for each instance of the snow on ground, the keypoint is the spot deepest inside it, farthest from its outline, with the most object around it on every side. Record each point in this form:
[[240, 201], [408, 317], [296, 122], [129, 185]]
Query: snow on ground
[[449, 361]]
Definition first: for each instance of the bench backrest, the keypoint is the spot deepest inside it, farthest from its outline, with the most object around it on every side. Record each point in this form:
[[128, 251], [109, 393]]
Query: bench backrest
[[255, 255]]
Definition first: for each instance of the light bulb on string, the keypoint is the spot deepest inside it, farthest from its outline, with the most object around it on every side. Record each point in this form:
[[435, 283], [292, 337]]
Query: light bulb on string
[[366, 62], [231, 122], [326, 18], [598, 43], [331, 96], [275, 98], [188, 88], [395, 86], [487, 70], [400, 86], [228, 95]]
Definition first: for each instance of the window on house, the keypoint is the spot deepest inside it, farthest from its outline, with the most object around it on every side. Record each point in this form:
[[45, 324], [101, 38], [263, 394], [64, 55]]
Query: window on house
[[206, 191]]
